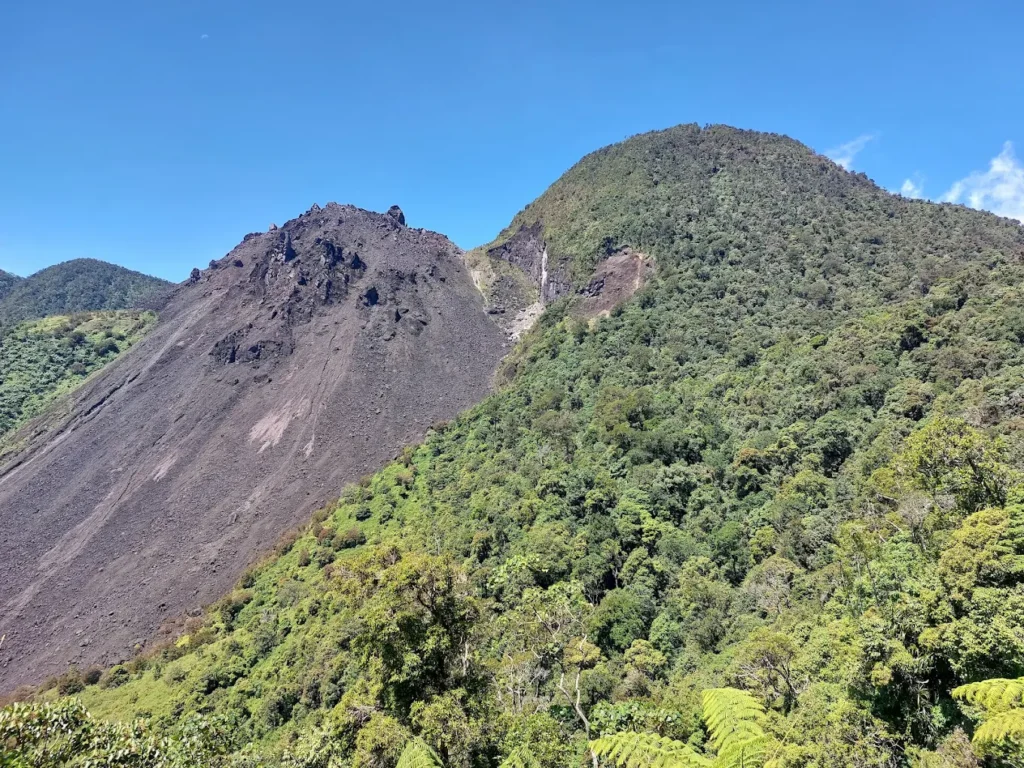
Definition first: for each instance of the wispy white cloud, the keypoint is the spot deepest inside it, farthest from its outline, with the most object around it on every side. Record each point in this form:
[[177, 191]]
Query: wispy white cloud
[[1000, 189], [844, 154], [912, 188], [204, 36]]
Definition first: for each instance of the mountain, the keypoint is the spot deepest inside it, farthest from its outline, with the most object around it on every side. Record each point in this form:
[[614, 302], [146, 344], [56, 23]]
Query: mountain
[[764, 435], [79, 285], [43, 359], [7, 281], [305, 358]]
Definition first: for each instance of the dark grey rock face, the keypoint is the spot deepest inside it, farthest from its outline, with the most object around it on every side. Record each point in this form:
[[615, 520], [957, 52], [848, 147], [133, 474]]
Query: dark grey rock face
[[527, 250]]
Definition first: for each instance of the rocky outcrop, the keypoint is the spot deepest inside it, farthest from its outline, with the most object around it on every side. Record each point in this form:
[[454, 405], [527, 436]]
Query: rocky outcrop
[[527, 250], [616, 278], [396, 213], [302, 360]]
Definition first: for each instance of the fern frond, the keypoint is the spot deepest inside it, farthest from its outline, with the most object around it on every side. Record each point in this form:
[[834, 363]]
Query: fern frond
[[520, 757], [753, 753], [418, 754], [646, 750], [995, 695], [1006, 726], [733, 717]]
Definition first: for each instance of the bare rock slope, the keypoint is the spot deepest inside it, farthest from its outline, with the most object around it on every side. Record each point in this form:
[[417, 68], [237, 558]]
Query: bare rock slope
[[303, 359]]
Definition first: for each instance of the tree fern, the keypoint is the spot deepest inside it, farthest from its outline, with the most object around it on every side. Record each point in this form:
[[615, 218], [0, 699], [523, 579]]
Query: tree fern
[[734, 719], [998, 729], [520, 757], [1002, 705], [753, 753], [646, 750], [418, 754], [996, 695]]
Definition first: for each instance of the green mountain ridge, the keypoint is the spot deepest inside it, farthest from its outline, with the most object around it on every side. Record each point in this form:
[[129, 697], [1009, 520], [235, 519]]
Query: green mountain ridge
[[790, 465], [79, 285]]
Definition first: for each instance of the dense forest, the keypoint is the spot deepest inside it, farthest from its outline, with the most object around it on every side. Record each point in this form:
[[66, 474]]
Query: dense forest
[[7, 281], [769, 512], [80, 285], [43, 359]]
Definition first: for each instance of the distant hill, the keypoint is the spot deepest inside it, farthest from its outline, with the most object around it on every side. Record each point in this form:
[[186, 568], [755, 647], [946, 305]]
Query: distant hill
[[79, 285], [7, 282]]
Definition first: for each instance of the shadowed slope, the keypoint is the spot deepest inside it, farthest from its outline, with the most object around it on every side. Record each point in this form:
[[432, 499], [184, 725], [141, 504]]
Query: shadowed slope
[[7, 282]]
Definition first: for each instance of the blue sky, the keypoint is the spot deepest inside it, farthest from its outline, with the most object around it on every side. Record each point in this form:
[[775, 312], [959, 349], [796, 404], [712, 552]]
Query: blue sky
[[156, 134]]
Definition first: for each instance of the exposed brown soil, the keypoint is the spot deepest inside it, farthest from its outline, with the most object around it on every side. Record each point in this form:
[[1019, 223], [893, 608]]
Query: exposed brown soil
[[616, 279], [302, 360]]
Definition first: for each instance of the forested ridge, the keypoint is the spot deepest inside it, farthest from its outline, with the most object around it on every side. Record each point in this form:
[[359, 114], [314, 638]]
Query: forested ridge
[[7, 281], [79, 285], [768, 512]]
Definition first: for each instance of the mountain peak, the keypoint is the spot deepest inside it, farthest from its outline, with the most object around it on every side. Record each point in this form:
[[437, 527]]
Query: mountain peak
[[301, 360], [678, 193]]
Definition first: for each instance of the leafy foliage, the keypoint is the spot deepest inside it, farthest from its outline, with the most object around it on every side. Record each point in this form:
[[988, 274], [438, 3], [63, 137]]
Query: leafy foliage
[[1001, 728], [733, 718], [520, 757], [58, 735], [43, 359], [633, 750], [994, 695], [418, 755], [79, 285], [1000, 704]]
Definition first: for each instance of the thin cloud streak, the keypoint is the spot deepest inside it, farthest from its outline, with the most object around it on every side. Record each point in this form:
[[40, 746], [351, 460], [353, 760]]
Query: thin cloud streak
[[845, 154], [1000, 189], [912, 189]]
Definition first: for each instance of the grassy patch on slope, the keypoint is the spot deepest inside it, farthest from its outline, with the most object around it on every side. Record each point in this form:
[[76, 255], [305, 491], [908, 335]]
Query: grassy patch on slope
[[40, 360]]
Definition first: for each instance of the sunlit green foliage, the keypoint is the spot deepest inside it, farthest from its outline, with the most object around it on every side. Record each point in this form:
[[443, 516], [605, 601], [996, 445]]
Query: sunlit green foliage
[[418, 755], [737, 739], [639, 750], [520, 757], [64, 735], [999, 704], [734, 718], [43, 359]]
